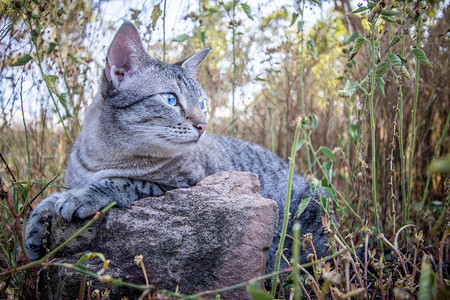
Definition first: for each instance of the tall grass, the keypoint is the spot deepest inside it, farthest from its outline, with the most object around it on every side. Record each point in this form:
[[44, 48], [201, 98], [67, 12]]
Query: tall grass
[[370, 256]]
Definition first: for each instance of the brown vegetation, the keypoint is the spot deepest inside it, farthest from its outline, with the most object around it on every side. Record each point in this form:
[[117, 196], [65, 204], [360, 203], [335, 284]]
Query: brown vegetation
[[44, 96]]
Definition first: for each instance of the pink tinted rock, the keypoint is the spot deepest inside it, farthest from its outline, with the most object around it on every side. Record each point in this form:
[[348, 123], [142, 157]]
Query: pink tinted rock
[[206, 237]]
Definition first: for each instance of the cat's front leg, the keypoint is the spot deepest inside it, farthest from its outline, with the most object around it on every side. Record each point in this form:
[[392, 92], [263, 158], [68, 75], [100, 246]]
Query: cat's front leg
[[82, 203]]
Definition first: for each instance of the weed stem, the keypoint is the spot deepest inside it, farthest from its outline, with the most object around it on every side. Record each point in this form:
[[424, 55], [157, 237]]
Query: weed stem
[[287, 205]]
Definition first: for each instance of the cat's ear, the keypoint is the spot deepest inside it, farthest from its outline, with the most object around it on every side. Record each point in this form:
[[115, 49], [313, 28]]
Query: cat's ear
[[125, 54], [191, 63]]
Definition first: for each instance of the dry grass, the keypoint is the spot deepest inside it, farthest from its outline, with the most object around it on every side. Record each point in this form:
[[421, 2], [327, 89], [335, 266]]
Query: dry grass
[[401, 262]]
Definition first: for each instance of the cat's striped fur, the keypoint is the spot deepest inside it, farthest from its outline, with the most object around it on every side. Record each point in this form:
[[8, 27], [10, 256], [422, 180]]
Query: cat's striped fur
[[135, 144]]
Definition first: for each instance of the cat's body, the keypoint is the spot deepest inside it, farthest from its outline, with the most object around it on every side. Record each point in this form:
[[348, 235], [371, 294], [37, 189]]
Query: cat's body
[[144, 135]]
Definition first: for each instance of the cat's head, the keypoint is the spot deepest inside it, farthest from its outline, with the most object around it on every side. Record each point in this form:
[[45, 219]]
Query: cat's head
[[149, 106]]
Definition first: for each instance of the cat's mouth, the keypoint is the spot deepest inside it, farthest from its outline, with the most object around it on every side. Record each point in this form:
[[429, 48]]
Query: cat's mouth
[[196, 141]]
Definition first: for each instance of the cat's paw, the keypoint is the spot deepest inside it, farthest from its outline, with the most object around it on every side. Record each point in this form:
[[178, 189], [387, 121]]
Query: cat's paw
[[37, 228], [77, 204]]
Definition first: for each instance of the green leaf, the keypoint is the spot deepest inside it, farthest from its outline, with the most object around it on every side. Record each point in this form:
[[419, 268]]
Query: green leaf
[[91, 255], [38, 27], [351, 38], [330, 193], [324, 182], [421, 56], [51, 46], [315, 183], [343, 94], [388, 19], [327, 152], [312, 48], [63, 100], [328, 166], [213, 10], [21, 60], [380, 85], [360, 9], [203, 37], [440, 165], [351, 87], [353, 132], [23, 190], [274, 94], [382, 69], [405, 72], [155, 15], [247, 10], [390, 12], [256, 293], [394, 40], [52, 81], [427, 281], [358, 44], [77, 60], [302, 206], [305, 123], [181, 38], [348, 90], [314, 123], [294, 18], [82, 268], [300, 144], [397, 62]]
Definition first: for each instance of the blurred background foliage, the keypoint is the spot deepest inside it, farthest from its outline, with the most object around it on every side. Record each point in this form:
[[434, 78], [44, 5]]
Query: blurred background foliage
[[53, 54]]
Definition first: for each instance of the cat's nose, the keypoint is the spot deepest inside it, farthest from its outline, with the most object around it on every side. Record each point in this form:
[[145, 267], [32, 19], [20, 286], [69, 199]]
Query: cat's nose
[[201, 127]]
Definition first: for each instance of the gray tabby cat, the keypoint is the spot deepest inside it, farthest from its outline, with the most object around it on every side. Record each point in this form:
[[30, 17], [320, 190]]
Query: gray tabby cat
[[144, 134]]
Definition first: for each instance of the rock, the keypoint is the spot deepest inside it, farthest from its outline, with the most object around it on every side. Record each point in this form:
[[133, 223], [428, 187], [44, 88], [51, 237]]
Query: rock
[[206, 237]]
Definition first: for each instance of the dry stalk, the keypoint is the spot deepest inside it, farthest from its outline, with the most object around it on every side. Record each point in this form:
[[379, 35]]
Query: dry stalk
[[398, 233], [82, 287], [441, 254], [357, 269], [139, 260], [304, 290], [353, 293], [313, 280], [308, 239], [400, 257], [418, 244], [391, 168], [367, 234], [324, 291], [380, 277], [347, 273], [388, 284]]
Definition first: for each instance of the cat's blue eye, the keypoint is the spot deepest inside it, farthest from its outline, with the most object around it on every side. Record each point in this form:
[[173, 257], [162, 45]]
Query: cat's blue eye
[[170, 98], [202, 104]]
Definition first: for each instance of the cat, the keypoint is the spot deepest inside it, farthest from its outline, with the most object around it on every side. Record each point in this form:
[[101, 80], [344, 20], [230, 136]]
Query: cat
[[144, 134]]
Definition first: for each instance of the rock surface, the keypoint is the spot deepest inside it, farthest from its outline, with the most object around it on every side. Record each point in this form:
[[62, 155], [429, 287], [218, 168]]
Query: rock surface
[[209, 236]]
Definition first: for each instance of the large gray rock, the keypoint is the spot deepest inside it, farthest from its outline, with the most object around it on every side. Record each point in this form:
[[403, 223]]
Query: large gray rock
[[210, 236]]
